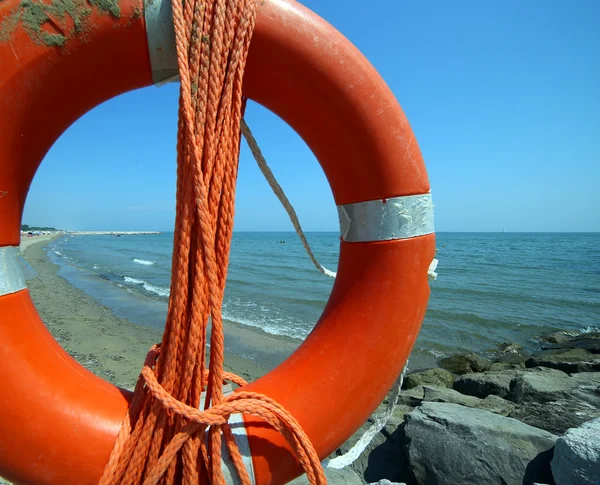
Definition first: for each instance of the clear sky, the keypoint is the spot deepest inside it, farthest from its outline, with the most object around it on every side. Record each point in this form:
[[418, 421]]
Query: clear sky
[[504, 99]]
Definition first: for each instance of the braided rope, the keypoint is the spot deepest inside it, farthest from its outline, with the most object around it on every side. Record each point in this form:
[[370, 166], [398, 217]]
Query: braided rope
[[166, 437]]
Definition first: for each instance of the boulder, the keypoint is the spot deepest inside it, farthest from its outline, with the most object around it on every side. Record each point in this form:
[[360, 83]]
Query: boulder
[[465, 363], [443, 394], [554, 385], [448, 444], [510, 348], [361, 462], [483, 384], [587, 379], [556, 416], [540, 387], [572, 360], [396, 419], [435, 376], [496, 404], [383, 456], [500, 366], [585, 341], [511, 359], [334, 477], [557, 337], [386, 482], [411, 397], [577, 456]]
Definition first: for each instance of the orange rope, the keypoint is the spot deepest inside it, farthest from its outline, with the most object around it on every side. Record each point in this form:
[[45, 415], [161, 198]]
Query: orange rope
[[164, 437]]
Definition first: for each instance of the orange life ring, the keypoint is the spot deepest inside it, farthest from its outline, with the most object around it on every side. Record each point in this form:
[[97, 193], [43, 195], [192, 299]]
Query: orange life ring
[[58, 420]]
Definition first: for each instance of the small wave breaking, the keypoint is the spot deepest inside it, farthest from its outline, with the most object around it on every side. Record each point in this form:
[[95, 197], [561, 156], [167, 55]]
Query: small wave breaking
[[143, 262], [157, 290]]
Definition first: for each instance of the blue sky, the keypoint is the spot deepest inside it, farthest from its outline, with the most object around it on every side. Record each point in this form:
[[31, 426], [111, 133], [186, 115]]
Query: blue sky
[[504, 99]]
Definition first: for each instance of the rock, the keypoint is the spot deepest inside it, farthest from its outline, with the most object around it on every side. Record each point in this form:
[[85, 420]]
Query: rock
[[484, 384], [334, 477], [510, 348], [511, 359], [386, 482], [465, 363], [500, 366], [380, 458], [585, 341], [396, 419], [545, 386], [572, 360], [590, 379], [448, 444], [556, 416], [557, 337], [360, 464], [411, 397], [496, 405], [443, 394], [577, 456], [436, 377], [387, 460]]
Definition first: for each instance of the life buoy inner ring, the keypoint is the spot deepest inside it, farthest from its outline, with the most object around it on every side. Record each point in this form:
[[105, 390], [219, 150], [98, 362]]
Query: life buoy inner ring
[[58, 420]]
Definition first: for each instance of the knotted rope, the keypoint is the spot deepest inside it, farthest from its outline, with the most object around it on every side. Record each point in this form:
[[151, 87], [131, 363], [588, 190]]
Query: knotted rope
[[166, 438]]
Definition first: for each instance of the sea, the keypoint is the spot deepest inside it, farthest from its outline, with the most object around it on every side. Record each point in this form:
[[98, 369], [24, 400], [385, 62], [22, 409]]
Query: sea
[[491, 287]]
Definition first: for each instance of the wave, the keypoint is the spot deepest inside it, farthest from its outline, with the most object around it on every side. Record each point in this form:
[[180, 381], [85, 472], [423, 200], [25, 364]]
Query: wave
[[144, 262], [58, 253], [270, 328], [157, 290]]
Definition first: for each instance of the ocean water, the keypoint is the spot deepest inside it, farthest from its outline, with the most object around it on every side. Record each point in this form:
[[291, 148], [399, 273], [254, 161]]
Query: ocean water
[[491, 287]]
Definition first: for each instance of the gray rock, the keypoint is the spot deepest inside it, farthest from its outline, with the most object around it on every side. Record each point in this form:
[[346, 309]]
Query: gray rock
[[448, 444], [540, 387], [585, 341], [511, 359], [500, 366], [396, 419], [386, 482], [545, 386], [382, 458], [443, 394], [590, 379], [484, 384], [557, 337], [334, 477], [465, 363], [411, 397], [572, 360], [555, 416], [510, 348], [577, 456], [496, 404], [436, 377], [361, 463]]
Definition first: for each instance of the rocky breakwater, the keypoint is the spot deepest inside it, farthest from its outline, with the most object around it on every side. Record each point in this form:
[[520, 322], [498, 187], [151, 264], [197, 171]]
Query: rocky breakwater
[[512, 419]]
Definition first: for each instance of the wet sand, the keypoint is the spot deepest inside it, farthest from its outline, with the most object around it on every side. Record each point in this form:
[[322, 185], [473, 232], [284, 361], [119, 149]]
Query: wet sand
[[111, 347]]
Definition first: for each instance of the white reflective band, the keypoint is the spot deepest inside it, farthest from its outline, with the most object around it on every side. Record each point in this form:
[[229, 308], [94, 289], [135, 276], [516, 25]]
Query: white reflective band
[[384, 220], [161, 41], [238, 429], [12, 278]]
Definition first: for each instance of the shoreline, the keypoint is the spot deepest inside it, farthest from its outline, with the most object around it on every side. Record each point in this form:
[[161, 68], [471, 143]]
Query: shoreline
[[111, 347]]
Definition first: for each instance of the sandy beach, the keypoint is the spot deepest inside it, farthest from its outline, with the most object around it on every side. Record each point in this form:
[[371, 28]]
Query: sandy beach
[[111, 347]]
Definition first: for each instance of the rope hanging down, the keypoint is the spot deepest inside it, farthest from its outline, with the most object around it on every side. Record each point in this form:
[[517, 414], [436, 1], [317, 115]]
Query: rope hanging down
[[264, 168], [165, 438]]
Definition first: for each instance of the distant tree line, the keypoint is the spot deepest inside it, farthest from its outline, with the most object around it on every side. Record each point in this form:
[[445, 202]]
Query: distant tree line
[[25, 227]]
